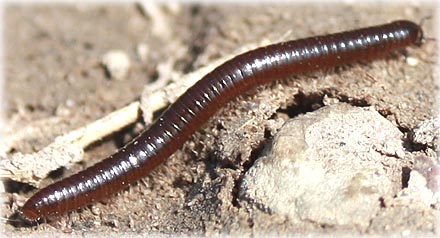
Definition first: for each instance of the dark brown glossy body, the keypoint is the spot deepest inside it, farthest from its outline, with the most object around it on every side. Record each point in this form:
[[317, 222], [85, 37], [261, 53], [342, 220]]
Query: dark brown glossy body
[[200, 102]]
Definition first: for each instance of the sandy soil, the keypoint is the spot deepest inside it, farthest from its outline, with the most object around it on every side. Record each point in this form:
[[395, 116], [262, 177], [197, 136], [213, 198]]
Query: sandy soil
[[53, 71]]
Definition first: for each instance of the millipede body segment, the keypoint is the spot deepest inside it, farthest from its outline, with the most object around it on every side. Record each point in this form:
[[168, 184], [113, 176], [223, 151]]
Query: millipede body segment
[[240, 74]]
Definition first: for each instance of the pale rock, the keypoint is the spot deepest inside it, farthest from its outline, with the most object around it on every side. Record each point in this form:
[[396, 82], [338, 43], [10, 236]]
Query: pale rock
[[117, 63], [427, 133], [331, 167]]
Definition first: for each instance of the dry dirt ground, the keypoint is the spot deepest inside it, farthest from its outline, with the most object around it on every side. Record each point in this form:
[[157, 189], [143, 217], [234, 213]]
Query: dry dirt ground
[[53, 70]]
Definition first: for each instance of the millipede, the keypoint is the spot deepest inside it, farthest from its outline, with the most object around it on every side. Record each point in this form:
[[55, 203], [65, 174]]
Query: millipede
[[192, 109]]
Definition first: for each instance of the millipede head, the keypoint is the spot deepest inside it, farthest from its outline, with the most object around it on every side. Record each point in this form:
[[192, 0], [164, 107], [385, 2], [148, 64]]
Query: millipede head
[[415, 31], [18, 219], [30, 212]]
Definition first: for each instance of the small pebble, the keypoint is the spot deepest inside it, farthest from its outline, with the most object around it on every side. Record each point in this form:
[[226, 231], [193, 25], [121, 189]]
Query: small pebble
[[406, 233], [142, 51], [411, 61], [117, 64]]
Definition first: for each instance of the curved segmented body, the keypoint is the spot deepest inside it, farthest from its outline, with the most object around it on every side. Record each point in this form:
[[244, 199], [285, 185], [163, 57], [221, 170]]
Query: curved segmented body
[[260, 66]]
